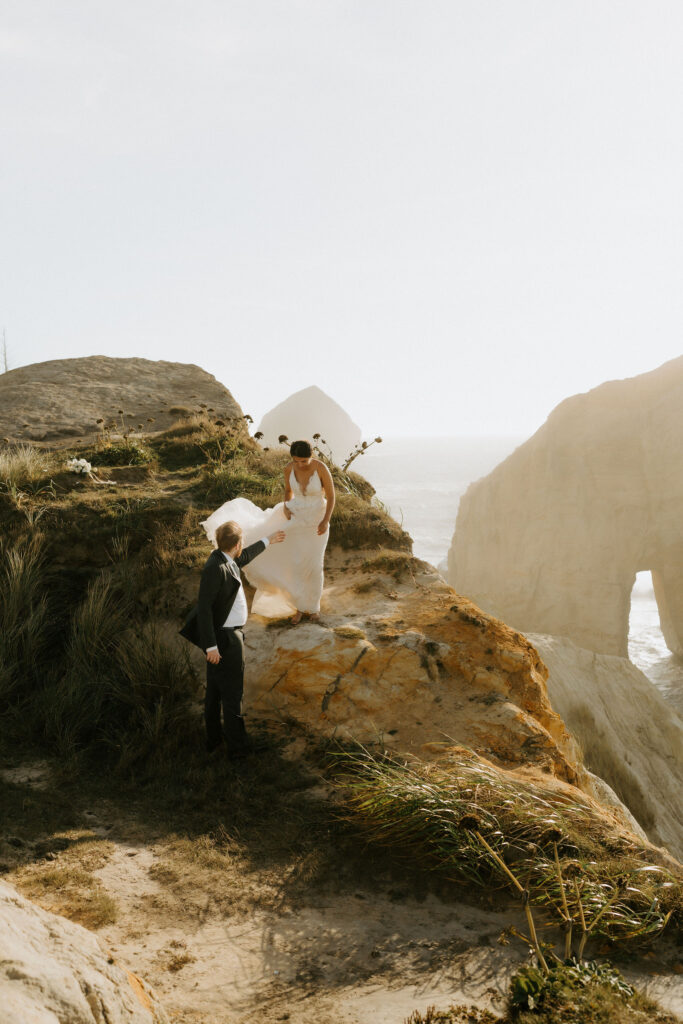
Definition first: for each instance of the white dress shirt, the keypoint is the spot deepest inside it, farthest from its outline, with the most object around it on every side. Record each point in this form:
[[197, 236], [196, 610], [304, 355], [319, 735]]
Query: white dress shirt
[[237, 616]]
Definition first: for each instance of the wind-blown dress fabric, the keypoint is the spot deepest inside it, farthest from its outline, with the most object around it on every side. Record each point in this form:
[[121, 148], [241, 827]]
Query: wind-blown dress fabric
[[287, 576]]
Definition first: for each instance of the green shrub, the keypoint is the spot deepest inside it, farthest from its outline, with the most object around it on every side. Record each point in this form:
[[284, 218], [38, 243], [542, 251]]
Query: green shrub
[[155, 692], [589, 993], [358, 524], [224, 484], [132, 452], [529, 988], [573, 994]]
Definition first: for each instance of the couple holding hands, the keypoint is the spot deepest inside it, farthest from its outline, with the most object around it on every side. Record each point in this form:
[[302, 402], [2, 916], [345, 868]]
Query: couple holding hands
[[284, 548]]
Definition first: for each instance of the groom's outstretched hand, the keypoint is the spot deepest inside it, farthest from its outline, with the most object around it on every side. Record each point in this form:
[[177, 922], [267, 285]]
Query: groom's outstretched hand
[[277, 538]]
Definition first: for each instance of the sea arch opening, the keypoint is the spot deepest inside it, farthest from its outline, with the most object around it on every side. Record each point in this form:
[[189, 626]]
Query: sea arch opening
[[648, 646], [646, 643]]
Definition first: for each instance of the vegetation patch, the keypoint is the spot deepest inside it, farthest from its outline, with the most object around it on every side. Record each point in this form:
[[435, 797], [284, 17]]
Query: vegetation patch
[[392, 563], [475, 823], [596, 994], [131, 451], [453, 1015], [22, 466], [358, 524], [62, 882]]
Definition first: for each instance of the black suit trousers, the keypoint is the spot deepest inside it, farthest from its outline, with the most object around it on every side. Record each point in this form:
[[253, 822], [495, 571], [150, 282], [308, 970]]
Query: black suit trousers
[[224, 688]]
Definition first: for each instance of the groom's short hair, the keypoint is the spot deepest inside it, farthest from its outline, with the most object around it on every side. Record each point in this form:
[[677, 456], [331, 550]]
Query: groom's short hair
[[228, 535]]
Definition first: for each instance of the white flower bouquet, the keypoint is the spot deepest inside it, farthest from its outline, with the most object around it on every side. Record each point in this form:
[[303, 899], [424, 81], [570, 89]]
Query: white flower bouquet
[[79, 466]]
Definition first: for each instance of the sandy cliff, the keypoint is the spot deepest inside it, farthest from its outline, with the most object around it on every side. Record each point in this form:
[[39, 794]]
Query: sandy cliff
[[628, 734], [551, 540], [64, 398]]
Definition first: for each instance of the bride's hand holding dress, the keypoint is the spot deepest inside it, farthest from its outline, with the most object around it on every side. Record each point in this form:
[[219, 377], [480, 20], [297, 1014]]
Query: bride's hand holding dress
[[289, 577]]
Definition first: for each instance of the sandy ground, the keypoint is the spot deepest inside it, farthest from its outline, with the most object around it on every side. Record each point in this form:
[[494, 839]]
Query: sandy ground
[[354, 956], [354, 959]]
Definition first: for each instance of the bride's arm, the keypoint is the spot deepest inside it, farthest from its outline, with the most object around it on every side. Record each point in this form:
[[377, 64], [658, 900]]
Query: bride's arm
[[289, 493], [328, 487]]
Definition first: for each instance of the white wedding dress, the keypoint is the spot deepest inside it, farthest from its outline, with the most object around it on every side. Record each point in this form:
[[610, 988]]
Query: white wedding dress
[[287, 576]]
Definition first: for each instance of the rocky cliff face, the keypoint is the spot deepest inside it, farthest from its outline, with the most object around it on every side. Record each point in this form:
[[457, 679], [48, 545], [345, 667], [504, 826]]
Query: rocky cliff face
[[400, 656], [629, 736], [53, 970], [310, 412], [551, 540], [64, 398]]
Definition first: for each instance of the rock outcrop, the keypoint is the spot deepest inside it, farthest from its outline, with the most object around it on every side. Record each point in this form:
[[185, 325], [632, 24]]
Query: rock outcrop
[[53, 971], [310, 412], [64, 398], [399, 656], [552, 539], [629, 736]]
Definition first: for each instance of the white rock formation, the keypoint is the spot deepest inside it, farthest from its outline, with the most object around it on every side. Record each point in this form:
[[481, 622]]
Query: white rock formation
[[52, 971], [65, 397], [310, 412], [629, 736], [552, 539]]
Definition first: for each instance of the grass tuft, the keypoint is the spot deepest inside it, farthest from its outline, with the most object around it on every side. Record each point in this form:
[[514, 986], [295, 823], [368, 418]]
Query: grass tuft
[[358, 524], [22, 465], [393, 563], [439, 814], [65, 884], [123, 693], [23, 616]]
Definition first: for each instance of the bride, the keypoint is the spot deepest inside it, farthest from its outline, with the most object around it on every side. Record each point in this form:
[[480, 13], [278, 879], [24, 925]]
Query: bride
[[288, 577]]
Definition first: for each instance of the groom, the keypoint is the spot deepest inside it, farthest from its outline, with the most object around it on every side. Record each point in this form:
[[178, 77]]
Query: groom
[[216, 625]]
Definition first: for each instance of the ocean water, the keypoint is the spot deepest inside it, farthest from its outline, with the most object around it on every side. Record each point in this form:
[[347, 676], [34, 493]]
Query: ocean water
[[421, 481]]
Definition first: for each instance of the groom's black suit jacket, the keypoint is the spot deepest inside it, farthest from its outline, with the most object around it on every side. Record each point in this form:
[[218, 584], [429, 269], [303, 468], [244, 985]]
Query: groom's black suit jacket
[[217, 591]]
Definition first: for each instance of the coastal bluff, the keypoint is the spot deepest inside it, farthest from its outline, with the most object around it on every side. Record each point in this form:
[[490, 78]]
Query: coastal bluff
[[64, 398], [552, 539], [629, 736]]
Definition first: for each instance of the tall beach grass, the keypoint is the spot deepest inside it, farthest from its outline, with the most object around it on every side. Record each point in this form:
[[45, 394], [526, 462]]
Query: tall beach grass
[[22, 465], [477, 824], [23, 616]]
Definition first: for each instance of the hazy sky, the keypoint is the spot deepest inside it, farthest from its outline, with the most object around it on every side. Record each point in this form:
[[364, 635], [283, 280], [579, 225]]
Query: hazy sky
[[448, 215]]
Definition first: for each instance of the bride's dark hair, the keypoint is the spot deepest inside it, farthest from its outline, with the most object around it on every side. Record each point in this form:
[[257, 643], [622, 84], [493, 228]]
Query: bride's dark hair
[[301, 449]]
